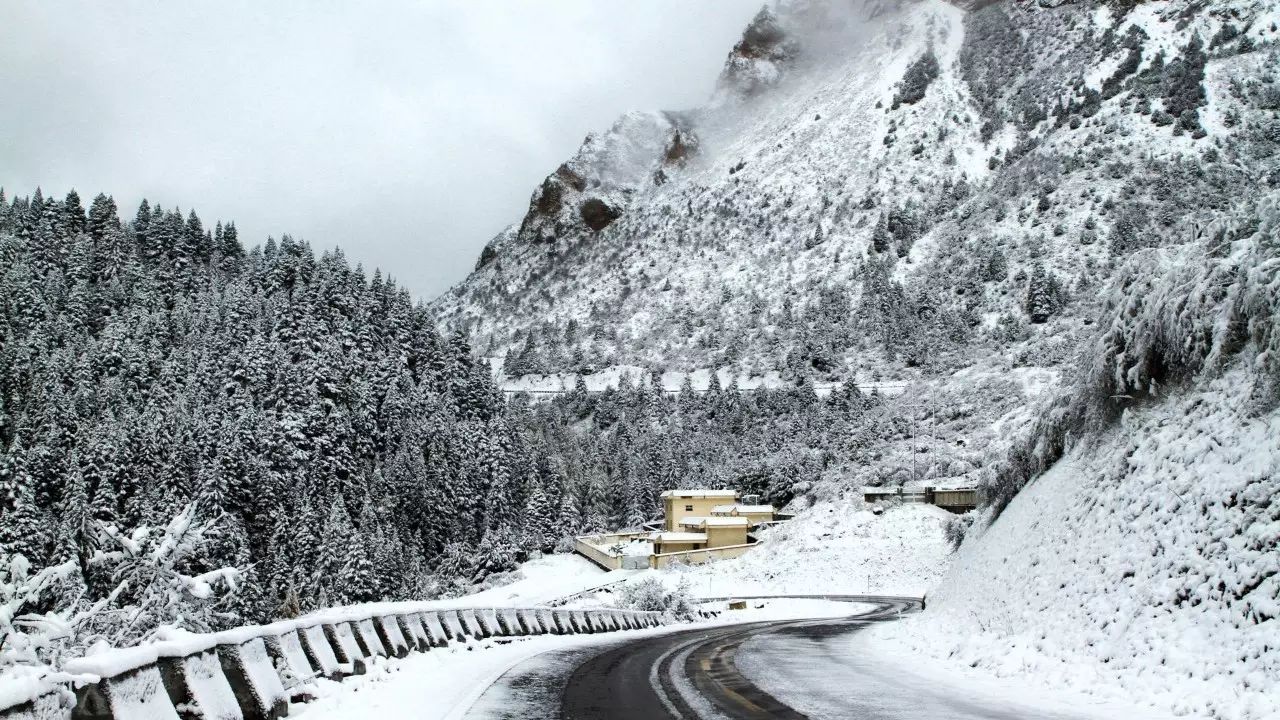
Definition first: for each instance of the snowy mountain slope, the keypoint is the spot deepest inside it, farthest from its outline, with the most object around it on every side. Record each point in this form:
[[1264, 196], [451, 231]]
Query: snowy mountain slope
[[1144, 566], [1144, 561], [775, 240]]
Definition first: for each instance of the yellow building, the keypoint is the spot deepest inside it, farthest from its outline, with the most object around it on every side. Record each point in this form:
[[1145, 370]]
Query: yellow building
[[720, 531], [699, 526], [680, 504], [699, 533]]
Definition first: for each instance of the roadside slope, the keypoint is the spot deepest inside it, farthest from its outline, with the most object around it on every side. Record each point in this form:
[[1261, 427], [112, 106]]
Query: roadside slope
[[1143, 562]]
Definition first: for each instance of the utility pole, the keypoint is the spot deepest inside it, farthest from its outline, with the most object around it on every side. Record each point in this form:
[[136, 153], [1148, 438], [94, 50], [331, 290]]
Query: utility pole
[[915, 472]]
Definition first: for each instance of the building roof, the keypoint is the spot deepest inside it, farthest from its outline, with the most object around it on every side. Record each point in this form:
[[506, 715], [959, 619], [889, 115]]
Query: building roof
[[682, 537], [880, 490], [955, 487], [700, 494], [727, 509], [714, 522]]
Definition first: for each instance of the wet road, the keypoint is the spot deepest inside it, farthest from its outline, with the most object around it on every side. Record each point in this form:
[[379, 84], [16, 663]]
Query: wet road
[[686, 674]]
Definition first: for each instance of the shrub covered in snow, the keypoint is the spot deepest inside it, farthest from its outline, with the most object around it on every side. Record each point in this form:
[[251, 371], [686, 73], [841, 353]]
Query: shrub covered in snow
[[916, 80], [118, 590], [652, 595], [957, 527]]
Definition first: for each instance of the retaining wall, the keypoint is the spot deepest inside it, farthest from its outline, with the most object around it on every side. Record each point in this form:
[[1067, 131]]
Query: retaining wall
[[253, 673], [697, 557]]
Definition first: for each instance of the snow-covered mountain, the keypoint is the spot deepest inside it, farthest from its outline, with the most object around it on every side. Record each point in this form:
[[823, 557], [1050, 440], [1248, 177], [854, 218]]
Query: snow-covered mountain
[[1054, 221], [878, 188]]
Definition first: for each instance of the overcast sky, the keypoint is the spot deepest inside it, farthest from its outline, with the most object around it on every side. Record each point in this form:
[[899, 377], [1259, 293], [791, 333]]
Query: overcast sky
[[408, 133]]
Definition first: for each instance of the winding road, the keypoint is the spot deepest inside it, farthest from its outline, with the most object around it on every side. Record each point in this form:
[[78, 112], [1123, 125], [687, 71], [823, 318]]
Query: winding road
[[789, 669], [687, 674]]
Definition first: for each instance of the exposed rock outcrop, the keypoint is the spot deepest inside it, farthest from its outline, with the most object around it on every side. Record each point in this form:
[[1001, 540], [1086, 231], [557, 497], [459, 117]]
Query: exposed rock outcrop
[[592, 190], [757, 60]]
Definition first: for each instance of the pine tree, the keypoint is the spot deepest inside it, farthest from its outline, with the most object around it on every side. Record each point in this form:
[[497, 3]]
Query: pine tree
[[337, 548], [22, 525]]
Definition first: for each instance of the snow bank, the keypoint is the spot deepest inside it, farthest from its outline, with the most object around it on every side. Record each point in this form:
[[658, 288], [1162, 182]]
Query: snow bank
[[837, 547], [843, 675], [1143, 567]]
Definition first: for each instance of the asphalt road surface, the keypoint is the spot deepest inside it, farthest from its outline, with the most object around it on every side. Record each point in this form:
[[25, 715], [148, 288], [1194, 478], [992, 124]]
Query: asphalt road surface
[[693, 674], [776, 669], [687, 674]]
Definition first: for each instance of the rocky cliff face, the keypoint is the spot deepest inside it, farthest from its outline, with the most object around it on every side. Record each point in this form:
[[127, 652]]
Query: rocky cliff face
[[593, 188], [759, 58]]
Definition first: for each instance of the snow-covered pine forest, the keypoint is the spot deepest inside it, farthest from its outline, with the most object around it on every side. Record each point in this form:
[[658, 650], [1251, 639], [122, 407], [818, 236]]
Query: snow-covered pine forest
[[342, 449]]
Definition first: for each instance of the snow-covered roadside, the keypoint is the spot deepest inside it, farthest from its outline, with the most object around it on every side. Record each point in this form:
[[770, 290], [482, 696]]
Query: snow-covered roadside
[[836, 547], [862, 674], [439, 684], [544, 580], [1142, 567], [444, 683]]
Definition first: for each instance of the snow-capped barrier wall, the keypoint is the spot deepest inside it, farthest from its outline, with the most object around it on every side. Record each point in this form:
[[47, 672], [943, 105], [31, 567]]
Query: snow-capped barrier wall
[[253, 673]]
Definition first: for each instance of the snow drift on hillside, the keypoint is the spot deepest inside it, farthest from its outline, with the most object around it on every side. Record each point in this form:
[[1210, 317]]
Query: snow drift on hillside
[[835, 547], [1144, 566]]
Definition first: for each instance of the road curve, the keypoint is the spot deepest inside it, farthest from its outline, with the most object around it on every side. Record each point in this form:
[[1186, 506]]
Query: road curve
[[692, 674]]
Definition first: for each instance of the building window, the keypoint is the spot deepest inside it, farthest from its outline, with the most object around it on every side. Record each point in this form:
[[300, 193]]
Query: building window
[[688, 508]]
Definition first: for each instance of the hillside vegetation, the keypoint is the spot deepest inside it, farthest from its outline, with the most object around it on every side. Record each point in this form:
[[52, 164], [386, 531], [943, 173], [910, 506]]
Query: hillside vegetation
[[343, 449]]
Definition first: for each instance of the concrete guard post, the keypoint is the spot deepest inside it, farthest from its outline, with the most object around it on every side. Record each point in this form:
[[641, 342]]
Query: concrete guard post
[[547, 620], [370, 643], [43, 707], [138, 693], [414, 631], [563, 623], [342, 639], [510, 622], [319, 649], [440, 633], [494, 616], [453, 624], [471, 622], [529, 619], [598, 621], [198, 687], [488, 618], [526, 627], [292, 663], [391, 636], [253, 680]]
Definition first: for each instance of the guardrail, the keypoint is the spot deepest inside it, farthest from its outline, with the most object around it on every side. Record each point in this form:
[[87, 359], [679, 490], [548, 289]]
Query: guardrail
[[255, 672]]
